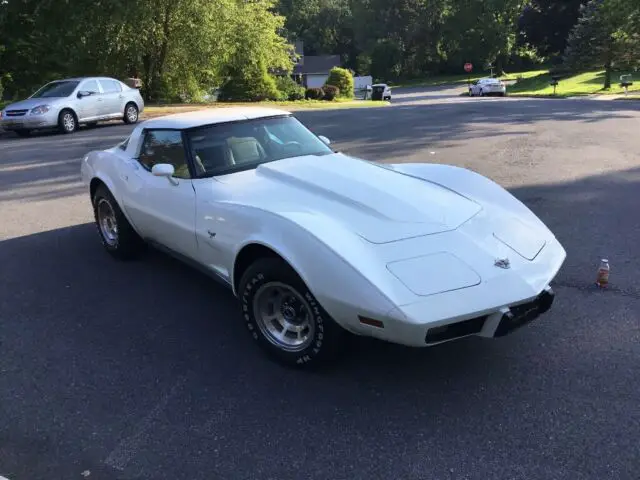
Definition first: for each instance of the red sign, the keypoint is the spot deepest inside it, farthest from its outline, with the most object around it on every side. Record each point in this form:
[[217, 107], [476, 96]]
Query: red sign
[[468, 67]]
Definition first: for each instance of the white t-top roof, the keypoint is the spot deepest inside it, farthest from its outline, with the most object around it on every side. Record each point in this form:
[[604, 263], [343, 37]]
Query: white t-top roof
[[210, 116]]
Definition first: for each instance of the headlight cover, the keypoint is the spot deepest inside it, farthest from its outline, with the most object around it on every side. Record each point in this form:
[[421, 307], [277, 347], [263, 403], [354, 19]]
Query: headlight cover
[[40, 109]]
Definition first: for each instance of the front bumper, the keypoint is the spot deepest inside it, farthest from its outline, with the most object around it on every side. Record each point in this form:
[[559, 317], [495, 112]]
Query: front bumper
[[28, 121], [494, 323], [498, 324]]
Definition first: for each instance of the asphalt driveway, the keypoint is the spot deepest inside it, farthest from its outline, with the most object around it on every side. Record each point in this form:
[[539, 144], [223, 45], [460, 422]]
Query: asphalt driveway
[[144, 370]]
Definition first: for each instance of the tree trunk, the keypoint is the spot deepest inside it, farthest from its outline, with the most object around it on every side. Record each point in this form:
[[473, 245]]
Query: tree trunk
[[607, 76]]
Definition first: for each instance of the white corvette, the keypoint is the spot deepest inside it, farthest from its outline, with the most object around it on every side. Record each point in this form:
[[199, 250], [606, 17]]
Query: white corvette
[[316, 243]]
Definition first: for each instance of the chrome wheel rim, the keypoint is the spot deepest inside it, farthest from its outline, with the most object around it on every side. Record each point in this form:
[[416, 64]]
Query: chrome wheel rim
[[132, 114], [107, 222], [69, 122], [284, 317]]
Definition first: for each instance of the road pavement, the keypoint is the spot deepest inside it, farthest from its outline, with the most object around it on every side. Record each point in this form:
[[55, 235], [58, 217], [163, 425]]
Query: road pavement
[[144, 370]]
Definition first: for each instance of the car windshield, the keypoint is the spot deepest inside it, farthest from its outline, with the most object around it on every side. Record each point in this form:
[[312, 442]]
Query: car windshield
[[229, 147], [56, 89]]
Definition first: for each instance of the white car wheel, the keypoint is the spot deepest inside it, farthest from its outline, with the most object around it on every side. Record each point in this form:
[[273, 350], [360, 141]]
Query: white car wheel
[[284, 317]]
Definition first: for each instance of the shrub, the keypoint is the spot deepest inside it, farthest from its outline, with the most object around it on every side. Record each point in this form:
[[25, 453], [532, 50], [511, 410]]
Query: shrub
[[250, 85], [330, 92], [290, 89], [314, 94], [343, 79]]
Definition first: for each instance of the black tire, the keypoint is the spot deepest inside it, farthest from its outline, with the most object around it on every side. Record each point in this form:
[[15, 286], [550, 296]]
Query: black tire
[[325, 337], [67, 121], [131, 113], [127, 244], [23, 132]]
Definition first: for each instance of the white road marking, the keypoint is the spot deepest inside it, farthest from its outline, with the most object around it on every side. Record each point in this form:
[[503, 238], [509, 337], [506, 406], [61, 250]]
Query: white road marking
[[127, 448]]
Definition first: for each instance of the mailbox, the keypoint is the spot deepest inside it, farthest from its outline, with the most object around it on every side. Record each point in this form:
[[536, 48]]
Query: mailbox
[[625, 81]]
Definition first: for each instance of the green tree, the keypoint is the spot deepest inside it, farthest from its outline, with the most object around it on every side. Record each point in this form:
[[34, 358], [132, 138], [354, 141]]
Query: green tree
[[342, 79], [603, 36]]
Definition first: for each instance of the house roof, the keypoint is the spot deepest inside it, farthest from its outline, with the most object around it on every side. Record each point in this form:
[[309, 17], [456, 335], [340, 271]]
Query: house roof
[[319, 64]]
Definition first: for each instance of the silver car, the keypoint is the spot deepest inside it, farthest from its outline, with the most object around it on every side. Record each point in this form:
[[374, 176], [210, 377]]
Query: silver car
[[66, 104], [487, 86]]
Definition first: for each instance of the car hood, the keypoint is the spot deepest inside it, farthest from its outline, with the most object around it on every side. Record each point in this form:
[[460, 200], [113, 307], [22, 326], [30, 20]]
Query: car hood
[[378, 204], [30, 103]]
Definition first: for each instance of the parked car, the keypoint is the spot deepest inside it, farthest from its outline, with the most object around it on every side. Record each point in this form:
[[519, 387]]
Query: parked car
[[66, 104], [380, 91], [316, 244], [488, 86]]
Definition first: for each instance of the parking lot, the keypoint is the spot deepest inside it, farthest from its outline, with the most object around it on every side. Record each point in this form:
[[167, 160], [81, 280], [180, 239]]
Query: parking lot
[[144, 370]]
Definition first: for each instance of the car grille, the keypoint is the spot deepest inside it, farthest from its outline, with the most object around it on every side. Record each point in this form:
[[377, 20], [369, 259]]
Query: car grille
[[15, 113]]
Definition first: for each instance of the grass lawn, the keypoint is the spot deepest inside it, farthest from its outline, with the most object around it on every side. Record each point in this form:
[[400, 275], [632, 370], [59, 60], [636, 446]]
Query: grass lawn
[[463, 78], [582, 84], [151, 111]]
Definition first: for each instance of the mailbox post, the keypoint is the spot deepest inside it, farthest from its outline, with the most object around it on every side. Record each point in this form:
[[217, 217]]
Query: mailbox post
[[625, 82], [555, 80], [468, 67]]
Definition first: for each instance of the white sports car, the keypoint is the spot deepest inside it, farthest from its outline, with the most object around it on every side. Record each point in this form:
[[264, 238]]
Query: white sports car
[[315, 243]]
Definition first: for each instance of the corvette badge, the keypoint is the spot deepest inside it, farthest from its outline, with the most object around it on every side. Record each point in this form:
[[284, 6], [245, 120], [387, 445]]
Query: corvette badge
[[502, 263]]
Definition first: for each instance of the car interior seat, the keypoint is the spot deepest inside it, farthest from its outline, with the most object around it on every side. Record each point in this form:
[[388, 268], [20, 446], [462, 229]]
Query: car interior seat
[[246, 150]]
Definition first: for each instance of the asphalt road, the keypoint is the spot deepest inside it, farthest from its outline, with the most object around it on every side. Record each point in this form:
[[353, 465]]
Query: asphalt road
[[144, 370]]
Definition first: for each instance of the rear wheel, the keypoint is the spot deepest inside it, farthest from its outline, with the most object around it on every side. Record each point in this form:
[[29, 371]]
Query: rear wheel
[[67, 122], [116, 233], [131, 113], [285, 318]]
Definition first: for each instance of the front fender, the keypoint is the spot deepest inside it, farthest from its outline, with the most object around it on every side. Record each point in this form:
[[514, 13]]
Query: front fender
[[321, 251]]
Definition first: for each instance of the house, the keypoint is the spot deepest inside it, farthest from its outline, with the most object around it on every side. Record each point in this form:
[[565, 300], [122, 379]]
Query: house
[[312, 70]]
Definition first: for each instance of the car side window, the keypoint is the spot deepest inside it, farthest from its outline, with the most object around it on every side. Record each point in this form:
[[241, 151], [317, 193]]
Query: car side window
[[110, 86], [90, 86], [164, 146]]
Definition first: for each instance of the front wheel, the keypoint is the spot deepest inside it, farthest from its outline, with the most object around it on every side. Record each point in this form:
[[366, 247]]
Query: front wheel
[[67, 122], [284, 317]]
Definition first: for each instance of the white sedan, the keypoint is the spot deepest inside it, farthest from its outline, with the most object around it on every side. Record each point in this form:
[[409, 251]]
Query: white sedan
[[488, 86], [315, 243]]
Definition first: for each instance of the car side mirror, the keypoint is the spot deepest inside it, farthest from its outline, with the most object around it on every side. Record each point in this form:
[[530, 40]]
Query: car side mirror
[[164, 170], [324, 140], [83, 93]]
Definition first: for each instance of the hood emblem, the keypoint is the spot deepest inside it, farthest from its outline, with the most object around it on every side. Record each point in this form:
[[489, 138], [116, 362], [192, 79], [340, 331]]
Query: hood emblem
[[502, 263]]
